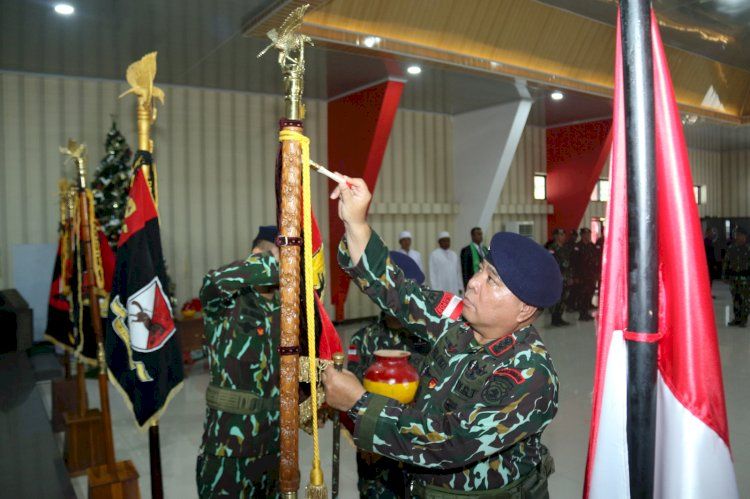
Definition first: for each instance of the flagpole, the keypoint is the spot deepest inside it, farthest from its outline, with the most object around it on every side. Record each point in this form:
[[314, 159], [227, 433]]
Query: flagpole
[[642, 242], [96, 322], [290, 44], [145, 117]]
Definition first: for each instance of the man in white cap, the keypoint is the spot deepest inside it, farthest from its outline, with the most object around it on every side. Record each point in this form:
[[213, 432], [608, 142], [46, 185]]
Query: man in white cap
[[404, 240], [445, 269]]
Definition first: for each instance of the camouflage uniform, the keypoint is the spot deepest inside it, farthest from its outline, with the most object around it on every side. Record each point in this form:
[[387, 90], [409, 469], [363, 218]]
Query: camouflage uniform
[[584, 263], [379, 477], [562, 256], [239, 453], [476, 423], [737, 270]]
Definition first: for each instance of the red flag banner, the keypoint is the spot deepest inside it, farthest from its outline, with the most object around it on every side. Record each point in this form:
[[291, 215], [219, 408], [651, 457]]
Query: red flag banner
[[693, 458]]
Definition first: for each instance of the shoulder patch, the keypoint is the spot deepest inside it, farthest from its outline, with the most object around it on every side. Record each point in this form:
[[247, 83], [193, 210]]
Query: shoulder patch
[[352, 354], [450, 306], [510, 373], [501, 345]]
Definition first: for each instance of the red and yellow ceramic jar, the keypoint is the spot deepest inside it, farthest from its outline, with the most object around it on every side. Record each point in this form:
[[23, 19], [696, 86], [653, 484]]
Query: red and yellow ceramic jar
[[391, 375]]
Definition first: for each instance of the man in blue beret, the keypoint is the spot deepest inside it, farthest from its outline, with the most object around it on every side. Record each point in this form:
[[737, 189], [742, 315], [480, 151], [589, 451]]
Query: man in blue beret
[[488, 387]]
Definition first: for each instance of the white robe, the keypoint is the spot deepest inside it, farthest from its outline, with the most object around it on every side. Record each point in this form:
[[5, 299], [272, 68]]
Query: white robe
[[445, 271], [415, 255]]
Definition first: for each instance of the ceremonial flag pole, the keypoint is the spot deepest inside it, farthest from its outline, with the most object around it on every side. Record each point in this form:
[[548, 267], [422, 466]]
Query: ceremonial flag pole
[[290, 240], [144, 118], [143, 353], [91, 256], [643, 261], [338, 362], [658, 426]]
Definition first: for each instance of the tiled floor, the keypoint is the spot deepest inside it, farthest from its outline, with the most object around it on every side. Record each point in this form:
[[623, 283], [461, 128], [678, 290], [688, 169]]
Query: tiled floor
[[572, 349]]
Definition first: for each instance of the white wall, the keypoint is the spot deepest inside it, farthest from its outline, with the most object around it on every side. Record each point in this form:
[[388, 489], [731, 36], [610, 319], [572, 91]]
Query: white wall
[[517, 198], [414, 191], [215, 151]]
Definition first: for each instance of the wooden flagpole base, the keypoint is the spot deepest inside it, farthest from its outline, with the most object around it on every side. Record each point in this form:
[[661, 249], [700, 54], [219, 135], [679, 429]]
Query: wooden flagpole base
[[64, 399], [120, 482], [84, 441]]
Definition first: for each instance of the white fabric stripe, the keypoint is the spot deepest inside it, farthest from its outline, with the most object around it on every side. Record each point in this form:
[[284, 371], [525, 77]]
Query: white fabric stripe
[[451, 307], [692, 461], [609, 477]]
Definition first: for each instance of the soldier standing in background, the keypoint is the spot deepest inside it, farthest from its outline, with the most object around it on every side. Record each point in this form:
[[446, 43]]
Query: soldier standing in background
[[561, 252], [585, 265], [378, 476], [570, 297], [239, 454], [737, 271], [487, 389]]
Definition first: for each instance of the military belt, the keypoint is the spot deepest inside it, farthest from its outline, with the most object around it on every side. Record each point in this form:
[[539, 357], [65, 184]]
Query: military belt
[[238, 401], [531, 486]]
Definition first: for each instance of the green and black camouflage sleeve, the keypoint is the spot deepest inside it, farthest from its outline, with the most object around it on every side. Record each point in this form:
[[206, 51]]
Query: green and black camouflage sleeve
[[425, 312], [221, 286], [435, 438]]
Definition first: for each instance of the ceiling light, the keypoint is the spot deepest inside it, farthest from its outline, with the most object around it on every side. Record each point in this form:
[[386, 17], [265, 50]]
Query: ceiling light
[[371, 41], [413, 69], [64, 9], [557, 95]]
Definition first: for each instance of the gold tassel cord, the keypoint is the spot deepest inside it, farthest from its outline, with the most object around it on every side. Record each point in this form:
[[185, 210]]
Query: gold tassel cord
[[317, 488]]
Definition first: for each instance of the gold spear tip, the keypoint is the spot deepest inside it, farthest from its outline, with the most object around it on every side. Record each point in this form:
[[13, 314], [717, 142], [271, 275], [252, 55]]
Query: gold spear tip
[[74, 149], [140, 75]]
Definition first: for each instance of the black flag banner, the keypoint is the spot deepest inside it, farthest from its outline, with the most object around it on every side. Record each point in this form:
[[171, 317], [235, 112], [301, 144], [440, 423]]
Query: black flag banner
[[143, 353], [69, 315]]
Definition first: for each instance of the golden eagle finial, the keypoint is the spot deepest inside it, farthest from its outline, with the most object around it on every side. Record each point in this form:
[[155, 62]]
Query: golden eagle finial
[[287, 38], [74, 150], [140, 75]]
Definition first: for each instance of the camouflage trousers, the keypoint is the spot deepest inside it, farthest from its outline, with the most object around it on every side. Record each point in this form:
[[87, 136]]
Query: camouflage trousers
[[559, 307], [741, 299], [218, 476], [379, 477]]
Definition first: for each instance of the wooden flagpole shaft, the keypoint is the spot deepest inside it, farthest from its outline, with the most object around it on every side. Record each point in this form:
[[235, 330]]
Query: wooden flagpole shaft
[[96, 322], [289, 288]]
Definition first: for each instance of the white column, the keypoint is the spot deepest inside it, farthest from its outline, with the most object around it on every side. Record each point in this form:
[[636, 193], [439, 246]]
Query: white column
[[484, 143]]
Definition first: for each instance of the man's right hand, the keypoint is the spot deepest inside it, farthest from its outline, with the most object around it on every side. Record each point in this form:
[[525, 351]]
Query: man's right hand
[[354, 198]]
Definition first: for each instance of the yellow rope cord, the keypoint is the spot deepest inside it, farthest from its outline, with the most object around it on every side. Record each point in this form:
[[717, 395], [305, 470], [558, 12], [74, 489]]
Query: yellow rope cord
[[316, 474]]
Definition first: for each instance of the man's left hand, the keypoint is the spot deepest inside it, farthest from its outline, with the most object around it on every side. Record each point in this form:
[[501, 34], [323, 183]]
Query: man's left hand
[[343, 389]]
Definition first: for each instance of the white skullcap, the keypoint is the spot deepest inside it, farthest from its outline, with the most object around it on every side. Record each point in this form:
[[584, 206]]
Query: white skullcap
[[404, 234], [444, 235]]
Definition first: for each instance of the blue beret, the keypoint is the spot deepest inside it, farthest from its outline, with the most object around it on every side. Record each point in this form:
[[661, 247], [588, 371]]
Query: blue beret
[[267, 233], [408, 265], [528, 270]]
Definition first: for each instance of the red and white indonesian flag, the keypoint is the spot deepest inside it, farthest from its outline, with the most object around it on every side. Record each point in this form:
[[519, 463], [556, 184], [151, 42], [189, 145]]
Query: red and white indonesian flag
[[693, 458]]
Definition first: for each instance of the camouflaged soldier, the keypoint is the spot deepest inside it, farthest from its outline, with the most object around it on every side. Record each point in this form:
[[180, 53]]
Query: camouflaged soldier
[[737, 270], [239, 453], [560, 250], [380, 477], [488, 388], [584, 263]]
